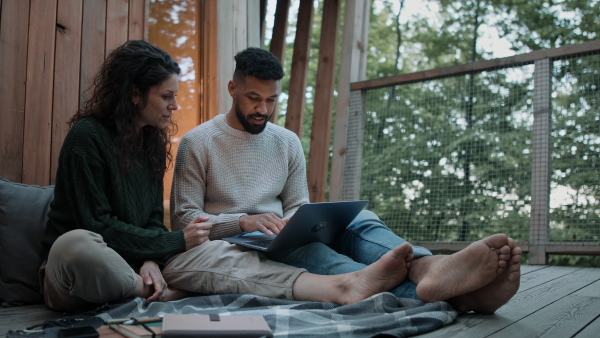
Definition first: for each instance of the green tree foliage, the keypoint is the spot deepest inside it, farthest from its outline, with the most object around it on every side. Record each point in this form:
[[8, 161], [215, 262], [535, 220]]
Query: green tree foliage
[[542, 24], [450, 158]]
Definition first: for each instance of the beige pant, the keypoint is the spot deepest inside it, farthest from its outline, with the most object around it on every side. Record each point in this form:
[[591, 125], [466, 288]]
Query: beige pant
[[82, 270]]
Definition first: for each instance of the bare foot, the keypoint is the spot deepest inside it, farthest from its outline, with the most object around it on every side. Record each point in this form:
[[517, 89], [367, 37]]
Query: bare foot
[[444, 277], [491, 297], [387, 272]]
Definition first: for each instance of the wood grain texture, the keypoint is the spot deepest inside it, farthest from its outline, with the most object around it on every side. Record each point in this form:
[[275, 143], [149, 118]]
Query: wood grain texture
[[353, 58], [278, 36], [209, 63], [280, 29], [563, 318], [592, 330], [318, 160], [253, 23], [55, 48], [66, 74], [117, 23], [14, 22], [93, 35], [38, 102], [294, 117], [566, 288], [531, 280], [137, 19]]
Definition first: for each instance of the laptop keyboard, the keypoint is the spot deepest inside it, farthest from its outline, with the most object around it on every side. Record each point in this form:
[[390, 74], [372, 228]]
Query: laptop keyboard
[[261, 243]]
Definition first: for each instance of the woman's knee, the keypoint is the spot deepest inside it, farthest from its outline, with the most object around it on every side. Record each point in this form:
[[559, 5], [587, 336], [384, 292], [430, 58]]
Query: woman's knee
[[75, 244]]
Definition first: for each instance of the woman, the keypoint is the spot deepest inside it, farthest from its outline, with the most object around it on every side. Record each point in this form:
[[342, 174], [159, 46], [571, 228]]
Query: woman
[[105, 238], [109, 181]]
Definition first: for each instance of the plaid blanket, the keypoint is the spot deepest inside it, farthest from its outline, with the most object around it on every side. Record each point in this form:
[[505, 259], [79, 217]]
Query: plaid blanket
[[380, 315]]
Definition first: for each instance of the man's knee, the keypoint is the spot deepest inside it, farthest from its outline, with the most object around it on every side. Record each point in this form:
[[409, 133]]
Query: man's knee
[[366, 218], [367, 214]]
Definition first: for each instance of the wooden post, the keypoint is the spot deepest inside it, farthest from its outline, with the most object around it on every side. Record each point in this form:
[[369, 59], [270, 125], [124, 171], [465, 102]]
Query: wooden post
[[253, 23], [540, 166], [353, 61], [352, 171], [280, 29], [232, 38], [318, 160], [278, 38], [263, 15], [209, 85], [294, 117]]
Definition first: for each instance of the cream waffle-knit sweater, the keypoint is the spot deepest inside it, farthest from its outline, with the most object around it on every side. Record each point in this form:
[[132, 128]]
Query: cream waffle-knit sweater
[[224, 173]]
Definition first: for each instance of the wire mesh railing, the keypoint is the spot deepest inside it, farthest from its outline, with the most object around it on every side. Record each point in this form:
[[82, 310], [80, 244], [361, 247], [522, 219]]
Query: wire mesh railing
[[510, 146]]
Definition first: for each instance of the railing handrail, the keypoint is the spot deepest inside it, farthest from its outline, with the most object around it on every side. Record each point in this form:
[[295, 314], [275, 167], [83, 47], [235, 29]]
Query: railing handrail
[[476, 66]]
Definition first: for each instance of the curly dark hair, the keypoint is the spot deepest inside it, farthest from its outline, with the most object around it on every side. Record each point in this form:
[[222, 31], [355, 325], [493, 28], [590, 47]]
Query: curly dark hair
[[259, 63], [132, 68]]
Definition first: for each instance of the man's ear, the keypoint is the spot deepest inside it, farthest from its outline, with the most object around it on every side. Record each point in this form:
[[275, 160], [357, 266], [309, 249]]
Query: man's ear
[[231, 87]]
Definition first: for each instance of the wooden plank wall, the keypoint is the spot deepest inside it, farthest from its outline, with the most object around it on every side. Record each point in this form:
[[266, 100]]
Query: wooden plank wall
[[49, 52]]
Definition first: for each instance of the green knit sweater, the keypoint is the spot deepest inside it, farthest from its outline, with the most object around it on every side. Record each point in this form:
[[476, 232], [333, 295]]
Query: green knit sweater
[[92, 193]]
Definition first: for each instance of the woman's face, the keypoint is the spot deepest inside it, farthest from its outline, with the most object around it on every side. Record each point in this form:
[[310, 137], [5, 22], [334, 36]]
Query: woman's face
[[159, 105]]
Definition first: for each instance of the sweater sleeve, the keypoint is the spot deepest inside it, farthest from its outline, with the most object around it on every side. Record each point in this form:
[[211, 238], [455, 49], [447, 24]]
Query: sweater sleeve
[[86, 166], [158, 212], [189, 190], [295, 191]]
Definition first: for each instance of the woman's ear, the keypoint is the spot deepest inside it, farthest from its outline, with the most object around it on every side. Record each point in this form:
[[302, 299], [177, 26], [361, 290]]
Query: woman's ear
[[135, 99]]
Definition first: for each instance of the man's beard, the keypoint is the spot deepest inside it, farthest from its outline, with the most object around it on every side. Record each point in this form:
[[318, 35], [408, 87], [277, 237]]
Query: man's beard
[[252, 129]]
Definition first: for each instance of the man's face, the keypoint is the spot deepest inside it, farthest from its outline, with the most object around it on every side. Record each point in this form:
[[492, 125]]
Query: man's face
[[254, 103]]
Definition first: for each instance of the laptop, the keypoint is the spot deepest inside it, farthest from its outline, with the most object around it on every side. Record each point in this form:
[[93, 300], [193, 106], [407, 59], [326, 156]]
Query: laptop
[[312, 222]]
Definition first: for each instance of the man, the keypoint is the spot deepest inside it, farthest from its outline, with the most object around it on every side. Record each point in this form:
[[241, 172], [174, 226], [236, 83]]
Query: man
[[245, 174]]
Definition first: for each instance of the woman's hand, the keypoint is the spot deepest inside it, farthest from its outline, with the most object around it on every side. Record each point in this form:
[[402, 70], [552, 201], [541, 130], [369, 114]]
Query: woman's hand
[[152, 277], [196, 232]]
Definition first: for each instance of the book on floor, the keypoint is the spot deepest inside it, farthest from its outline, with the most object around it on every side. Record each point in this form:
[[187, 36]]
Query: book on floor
[[214, 325]]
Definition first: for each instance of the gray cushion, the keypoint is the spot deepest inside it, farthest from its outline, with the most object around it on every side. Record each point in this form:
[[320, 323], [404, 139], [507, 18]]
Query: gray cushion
[[23, 216]]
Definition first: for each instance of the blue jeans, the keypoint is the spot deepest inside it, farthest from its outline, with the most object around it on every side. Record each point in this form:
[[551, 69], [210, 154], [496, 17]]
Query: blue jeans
[[363, 242]]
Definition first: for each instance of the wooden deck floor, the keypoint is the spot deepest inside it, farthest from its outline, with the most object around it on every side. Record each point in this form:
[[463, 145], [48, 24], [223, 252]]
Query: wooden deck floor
[[551, 302]]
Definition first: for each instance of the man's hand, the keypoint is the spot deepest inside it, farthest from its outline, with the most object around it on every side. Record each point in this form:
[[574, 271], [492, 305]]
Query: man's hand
[[266, 223], [151, 275], [196, 232]]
